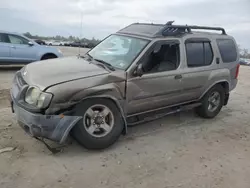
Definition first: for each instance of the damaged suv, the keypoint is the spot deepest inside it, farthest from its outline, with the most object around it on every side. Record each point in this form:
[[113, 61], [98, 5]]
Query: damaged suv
[[140, 73]]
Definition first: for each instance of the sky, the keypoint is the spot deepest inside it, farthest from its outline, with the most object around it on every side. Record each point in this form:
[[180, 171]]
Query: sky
[[100, 18]]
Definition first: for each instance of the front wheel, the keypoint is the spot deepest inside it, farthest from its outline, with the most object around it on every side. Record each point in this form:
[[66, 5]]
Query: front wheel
[[101, 123], [212, 102]]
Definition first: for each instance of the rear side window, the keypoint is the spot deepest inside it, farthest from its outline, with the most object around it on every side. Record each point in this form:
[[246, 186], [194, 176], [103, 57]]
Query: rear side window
[[199, 54], [227, 50], [4, 38]]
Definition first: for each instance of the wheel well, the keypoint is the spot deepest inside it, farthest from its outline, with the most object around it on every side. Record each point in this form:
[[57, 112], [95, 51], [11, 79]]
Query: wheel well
[[225, 85], [48, 55]]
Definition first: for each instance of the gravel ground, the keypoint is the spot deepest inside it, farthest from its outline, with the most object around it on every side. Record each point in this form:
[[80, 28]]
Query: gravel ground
[[181, 150]]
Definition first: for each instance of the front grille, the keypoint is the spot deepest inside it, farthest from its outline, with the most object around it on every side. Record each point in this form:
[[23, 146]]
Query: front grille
[[19, 79]]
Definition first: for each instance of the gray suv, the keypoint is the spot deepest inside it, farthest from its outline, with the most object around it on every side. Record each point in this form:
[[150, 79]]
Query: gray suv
[[140, 73]]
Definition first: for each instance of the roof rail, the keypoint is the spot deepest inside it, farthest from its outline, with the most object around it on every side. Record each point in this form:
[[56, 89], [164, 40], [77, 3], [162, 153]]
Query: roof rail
[[170, 30]]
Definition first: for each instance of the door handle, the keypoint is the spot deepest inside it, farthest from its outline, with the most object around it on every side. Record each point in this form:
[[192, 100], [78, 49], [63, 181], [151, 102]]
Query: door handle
[[177, 77], [218, 60], [13, 47]]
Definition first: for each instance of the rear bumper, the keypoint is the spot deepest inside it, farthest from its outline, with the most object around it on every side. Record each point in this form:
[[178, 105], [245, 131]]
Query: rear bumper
[[52, 127]]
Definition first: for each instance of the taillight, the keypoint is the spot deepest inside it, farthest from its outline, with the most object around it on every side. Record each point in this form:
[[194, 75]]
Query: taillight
[[237, 71]]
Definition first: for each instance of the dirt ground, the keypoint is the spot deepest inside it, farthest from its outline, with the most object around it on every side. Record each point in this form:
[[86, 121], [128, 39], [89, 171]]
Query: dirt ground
[[181, 150]]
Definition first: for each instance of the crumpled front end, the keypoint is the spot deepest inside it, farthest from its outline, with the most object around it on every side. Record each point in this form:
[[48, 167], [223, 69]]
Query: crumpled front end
[[37, 124], [53, 127]]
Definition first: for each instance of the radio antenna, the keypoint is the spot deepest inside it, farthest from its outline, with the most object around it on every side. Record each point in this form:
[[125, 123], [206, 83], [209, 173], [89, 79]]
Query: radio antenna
[[79, 47]]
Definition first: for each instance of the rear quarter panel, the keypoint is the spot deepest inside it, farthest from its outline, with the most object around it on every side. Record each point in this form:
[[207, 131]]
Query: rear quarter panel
[[197, 81]]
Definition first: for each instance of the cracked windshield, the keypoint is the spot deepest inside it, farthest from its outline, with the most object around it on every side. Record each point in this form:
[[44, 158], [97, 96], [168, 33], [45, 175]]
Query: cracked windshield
[[131, 94], [119, 51]]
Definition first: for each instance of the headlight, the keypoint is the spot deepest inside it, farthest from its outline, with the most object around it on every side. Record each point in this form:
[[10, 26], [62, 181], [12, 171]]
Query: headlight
[[36, 97], [60, 51], [32, 95]]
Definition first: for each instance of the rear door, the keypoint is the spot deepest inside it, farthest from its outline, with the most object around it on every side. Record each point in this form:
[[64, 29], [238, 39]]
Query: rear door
[[20, 50], [4, 49], [200, 62]]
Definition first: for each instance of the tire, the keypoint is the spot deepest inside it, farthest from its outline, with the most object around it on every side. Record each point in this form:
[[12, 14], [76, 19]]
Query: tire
[[86, 139], [48, 56], [203, 110]]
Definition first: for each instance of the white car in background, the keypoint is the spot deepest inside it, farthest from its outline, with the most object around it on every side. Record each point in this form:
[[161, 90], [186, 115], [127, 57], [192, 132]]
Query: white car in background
[[54, 43]]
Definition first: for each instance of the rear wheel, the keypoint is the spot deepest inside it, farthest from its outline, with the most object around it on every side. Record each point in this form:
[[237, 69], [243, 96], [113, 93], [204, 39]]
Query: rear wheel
[[101, 124], [48, 56], [212, 102]]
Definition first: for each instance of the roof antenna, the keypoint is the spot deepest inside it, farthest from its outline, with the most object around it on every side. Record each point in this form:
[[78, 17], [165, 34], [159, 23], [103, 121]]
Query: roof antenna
[[170, 22], [79, 47]]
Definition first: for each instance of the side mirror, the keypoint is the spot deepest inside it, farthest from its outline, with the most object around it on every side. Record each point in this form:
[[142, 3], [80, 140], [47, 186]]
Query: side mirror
[[139, 70], [30, 43]]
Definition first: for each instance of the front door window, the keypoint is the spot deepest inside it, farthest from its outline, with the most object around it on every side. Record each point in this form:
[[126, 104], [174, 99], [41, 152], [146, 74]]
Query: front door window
[[14, 39], [167, 58]]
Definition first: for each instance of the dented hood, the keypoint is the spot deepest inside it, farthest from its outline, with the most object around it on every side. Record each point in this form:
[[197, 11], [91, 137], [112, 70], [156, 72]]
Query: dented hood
[[44, 74]]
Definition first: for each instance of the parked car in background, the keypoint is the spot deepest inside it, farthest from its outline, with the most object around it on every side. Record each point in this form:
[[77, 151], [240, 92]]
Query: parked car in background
[[54, 43], [18, 49], [156, 70], [41, 42], [91, 45], [244, 62], [78, 44], [63, 43]]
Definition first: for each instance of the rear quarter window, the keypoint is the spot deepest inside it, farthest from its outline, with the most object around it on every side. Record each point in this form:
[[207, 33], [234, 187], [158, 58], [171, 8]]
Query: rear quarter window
[[227, 49]]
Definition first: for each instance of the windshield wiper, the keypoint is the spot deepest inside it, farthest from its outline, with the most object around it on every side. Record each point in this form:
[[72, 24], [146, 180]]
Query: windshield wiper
[[87, 55], [105, 63], [108, 65]]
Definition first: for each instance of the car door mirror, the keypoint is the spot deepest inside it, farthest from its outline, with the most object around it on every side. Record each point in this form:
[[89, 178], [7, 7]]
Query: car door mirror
[[30, 43], [139, 70]]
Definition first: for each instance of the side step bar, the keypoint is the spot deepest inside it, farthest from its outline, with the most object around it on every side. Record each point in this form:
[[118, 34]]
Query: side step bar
[[163, 114]]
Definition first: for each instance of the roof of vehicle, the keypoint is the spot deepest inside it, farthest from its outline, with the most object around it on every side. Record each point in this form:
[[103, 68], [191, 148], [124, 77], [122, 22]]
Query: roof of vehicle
[[8, 32], [163, 30], [14, 33]]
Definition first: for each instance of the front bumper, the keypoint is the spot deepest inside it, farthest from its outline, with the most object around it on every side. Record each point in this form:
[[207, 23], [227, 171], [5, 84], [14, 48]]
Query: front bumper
[[52, 127]]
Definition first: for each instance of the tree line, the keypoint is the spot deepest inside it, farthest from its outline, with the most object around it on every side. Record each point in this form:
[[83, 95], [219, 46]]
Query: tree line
[[62, 38], [244, 53]]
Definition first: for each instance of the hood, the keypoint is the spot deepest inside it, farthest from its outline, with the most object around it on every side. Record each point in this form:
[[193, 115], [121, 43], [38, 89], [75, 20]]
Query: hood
[[54, 71]]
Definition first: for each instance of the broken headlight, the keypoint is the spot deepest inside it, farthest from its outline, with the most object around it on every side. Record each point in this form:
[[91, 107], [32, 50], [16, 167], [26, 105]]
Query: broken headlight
[[36, 97]]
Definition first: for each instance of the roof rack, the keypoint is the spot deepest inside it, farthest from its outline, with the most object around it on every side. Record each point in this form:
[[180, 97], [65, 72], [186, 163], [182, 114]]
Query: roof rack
[[170, 30]]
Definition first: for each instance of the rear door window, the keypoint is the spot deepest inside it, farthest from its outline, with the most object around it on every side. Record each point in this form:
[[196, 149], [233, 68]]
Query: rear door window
[[199, 53], [227, 49]]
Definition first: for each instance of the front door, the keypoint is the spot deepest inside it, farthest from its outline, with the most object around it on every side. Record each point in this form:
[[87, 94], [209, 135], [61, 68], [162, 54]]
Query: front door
[[20, 50], [4, 49], [160, 85]]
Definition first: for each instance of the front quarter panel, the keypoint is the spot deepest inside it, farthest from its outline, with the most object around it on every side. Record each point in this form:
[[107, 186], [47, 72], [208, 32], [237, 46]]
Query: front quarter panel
[[68, 94]]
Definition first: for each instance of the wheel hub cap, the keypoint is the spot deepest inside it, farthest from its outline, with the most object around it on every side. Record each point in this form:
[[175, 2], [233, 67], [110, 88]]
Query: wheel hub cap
[[98, 120], [213, 101]]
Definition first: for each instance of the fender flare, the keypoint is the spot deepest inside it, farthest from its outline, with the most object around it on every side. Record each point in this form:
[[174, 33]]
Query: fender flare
[[218, 82], [125, 129]]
